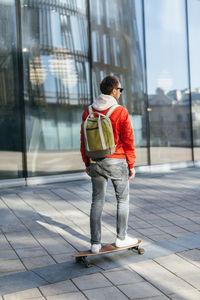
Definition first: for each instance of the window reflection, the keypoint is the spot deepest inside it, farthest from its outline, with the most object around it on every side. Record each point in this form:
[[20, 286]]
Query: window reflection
[[167, 76], [10, 117], [57, 78], [57, 82], [117, 49]]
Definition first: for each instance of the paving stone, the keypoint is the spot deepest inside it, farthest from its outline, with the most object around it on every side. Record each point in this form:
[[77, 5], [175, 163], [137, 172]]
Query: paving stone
[[55, 245], [171, 245], [184, 222], [173, 229], [19, 282], [64, 257], [189, 242], [179, 234], [58, 288], [31, 252], [181, 268], [156, 298], [27, 294], [7, 254], [161, 278], [193, 228], [138, 224], [12, 265], [192, 256], [94, 281], [38, 262], [105, 294], [10, 223], [38, 298], [64, 271], [123, 276], [185, 294], [43, 234], [161, 237], [196, 219], [68, 296], [4, 245], [21, 240], [150, 231], [139, 290], [155, 250]]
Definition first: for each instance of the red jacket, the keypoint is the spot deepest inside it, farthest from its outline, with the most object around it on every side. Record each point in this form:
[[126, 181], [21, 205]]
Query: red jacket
[[123, 135]]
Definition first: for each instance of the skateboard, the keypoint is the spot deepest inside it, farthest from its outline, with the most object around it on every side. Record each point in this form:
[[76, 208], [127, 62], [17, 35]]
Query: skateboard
[[81, 257]]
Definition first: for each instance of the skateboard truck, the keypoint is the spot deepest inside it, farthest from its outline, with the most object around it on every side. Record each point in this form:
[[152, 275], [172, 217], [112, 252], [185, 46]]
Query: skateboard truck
[[139, 250], [83, 259]]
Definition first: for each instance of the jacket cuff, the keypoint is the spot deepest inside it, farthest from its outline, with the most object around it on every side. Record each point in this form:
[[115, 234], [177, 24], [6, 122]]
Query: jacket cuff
[[131, 166]]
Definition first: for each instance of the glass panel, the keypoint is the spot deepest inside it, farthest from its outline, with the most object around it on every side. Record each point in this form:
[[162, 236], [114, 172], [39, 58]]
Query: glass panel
[[194, 44], [57, 83], [117, 49], [10, 120], [167, 78]]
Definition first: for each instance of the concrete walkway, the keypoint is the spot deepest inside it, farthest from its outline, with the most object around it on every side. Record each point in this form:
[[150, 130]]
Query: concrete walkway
[[42, 226]]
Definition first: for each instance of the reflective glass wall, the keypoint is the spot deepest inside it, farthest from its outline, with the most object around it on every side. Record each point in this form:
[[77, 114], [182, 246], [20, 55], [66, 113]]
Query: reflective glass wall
[[10, 106], [167, 79], [53, 55], [117, 48], [194, 48]]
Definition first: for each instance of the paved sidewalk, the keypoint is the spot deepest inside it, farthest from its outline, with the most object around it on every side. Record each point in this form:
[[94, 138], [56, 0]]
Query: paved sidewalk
[[42, 226]]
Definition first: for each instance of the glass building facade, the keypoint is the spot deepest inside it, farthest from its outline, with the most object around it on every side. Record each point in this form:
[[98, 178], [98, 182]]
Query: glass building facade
[[53, 55]]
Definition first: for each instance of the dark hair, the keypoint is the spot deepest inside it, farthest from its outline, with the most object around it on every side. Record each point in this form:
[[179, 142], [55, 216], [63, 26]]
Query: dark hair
[[108, 84]]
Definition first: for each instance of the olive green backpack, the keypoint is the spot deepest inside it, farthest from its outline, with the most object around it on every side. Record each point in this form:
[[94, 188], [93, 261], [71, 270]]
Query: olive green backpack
[[98, 134]]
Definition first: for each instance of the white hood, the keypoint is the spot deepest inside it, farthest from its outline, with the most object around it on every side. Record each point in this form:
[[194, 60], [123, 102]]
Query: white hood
[[103, 102]]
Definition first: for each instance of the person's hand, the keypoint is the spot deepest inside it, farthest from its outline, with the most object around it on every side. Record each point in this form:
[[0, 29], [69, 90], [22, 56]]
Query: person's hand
[[87, 170], [131, 173]]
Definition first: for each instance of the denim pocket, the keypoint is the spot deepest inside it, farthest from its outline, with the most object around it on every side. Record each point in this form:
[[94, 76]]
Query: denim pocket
[[116, 169]]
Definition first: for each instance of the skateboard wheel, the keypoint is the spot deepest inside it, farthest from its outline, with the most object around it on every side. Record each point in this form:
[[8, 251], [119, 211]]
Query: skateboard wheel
[[140, 251], [83, 259], [87, 264], [78, 259]]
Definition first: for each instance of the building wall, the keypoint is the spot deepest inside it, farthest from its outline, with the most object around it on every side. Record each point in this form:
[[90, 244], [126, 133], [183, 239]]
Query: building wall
[[53, 55]]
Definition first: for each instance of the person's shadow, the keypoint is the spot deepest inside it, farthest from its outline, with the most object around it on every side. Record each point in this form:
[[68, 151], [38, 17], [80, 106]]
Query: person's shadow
[[68, 229]]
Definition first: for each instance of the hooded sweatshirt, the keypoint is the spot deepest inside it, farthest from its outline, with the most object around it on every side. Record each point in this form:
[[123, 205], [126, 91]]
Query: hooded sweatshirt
[[122, 130]]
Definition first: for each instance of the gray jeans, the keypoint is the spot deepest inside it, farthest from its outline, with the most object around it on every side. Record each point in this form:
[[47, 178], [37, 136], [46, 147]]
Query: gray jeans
[[117, 170]]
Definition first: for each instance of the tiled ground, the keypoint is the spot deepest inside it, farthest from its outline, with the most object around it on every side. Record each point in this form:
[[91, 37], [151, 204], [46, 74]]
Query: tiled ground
[[41, 226]]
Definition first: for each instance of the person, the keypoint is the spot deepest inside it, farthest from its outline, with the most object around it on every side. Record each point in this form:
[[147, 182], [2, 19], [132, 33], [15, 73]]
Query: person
[[119, 166]]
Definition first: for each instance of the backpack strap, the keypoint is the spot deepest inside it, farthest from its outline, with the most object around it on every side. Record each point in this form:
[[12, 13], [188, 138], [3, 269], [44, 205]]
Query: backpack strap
[[90, 110], [111, 110]]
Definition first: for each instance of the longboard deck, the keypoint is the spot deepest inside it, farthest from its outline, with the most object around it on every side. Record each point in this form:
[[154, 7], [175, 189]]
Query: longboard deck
[[108, 248]]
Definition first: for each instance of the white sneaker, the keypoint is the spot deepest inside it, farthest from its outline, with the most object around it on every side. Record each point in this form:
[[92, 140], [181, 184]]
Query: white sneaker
[[95, 248], [128, 241]]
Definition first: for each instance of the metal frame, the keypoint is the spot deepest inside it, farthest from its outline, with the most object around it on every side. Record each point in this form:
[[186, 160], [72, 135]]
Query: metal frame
[[21, 87], [148, 132], [90, 48], [189, 76]]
